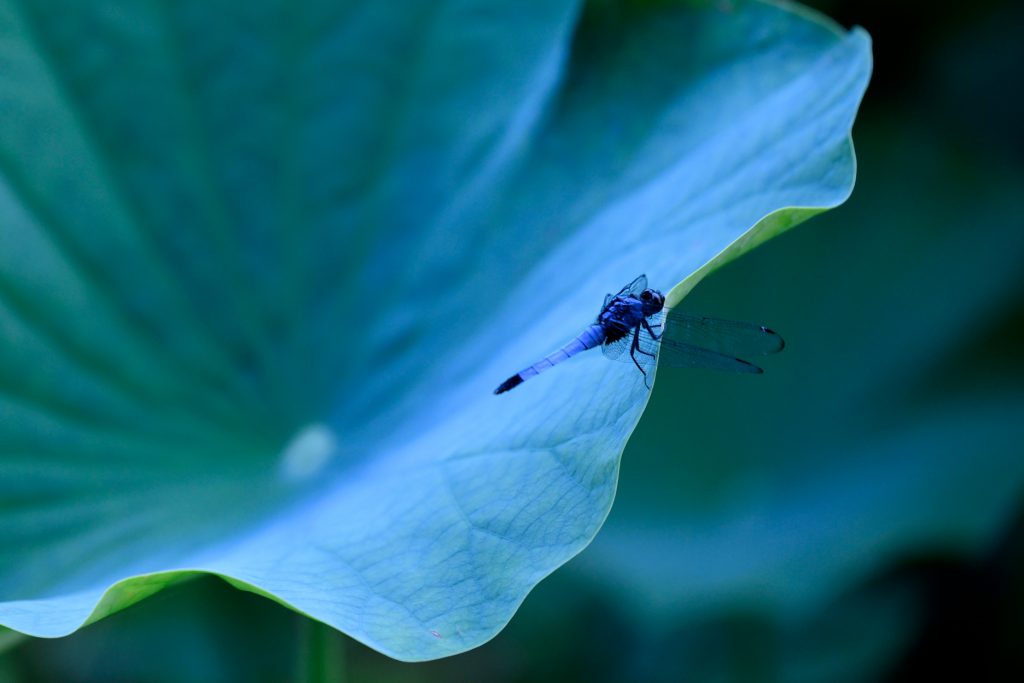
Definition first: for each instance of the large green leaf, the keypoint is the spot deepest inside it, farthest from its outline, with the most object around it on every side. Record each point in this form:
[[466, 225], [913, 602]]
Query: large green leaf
[[261, 267]]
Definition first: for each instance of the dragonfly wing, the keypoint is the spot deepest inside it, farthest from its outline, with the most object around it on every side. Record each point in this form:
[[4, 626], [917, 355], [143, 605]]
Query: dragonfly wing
[[615, 350], [681, 355], [645, 355], [726, 337], [635, 287]]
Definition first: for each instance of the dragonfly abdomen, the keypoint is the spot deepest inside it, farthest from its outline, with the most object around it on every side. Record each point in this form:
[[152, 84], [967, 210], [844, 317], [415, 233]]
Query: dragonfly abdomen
[[588, 339]]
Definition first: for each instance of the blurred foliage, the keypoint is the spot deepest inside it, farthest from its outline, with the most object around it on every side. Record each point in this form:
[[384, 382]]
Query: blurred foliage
[[909, 303]]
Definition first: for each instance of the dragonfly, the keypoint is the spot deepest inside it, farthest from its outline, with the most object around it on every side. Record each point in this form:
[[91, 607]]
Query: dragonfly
[[635, 326]]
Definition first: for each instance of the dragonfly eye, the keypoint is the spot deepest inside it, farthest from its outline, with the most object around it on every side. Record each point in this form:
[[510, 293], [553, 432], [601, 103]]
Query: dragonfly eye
[[646, 295]]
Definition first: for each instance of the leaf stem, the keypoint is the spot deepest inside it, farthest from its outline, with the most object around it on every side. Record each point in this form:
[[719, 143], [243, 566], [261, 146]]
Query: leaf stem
[[321, 656]]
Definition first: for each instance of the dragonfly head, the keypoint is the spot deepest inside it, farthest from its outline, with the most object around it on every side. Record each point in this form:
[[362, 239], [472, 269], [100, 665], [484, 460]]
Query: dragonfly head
[[653, 301]]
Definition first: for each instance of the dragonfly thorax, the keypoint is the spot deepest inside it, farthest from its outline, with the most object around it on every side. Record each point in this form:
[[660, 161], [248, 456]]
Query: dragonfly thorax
[[624, 313]]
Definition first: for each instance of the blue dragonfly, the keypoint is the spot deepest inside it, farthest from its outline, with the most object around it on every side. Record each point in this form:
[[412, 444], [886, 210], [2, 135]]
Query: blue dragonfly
[[636, 319]]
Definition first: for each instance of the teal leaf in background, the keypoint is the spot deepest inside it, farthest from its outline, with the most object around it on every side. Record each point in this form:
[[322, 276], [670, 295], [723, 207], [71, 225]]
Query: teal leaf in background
[[887, 432], [261, 267]]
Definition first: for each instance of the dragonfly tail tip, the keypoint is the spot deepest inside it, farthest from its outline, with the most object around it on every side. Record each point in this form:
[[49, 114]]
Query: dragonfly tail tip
[[510, 383]]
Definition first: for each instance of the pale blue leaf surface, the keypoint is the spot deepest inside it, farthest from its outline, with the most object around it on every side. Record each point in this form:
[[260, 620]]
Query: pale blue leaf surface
[[261, 267]]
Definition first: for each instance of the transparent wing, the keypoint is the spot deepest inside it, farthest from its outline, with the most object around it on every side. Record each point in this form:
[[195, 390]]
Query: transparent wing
[[616, 350], [681, 355], [645, 354], [689, 341], [633, 288], [724, 337]]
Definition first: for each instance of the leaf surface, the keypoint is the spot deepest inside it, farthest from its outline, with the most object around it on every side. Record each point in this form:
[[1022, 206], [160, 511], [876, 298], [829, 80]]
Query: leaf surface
[[261, 267]]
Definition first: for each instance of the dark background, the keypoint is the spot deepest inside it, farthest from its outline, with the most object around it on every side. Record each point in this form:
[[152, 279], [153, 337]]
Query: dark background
[[923, 252], [956, 72]]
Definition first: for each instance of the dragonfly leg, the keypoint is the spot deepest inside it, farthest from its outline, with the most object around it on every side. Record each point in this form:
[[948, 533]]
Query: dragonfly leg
[[636, 341], [650, 328], [634, 348]]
